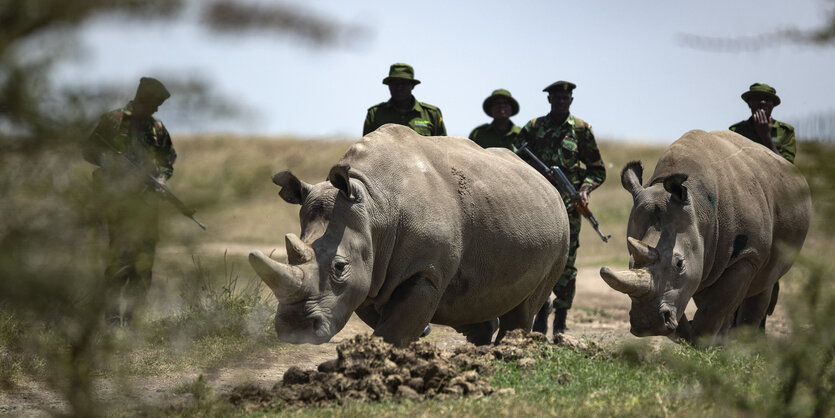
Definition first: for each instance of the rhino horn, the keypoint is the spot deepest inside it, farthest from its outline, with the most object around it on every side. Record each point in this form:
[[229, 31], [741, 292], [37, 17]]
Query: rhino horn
[[286, 281], [642, 253], [635, 283], [297, 251]]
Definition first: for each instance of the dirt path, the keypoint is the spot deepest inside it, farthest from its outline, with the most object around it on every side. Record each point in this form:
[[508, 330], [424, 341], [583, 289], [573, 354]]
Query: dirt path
[[600, 314]]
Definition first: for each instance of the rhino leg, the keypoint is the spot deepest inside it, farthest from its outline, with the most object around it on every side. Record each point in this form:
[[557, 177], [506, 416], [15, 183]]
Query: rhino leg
[[410, 308], [684, 331], [369, 315], [521, 317], [480, 333], [753, 310], [718, 303]]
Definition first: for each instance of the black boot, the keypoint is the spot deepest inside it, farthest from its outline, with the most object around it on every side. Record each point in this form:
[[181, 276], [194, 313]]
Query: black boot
[[559, 320], [426, 330], [540, 323]]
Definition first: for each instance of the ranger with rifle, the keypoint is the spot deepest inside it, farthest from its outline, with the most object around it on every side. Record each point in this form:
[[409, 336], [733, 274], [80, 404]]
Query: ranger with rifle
[[561, 182], [566, 144], [135, 157]]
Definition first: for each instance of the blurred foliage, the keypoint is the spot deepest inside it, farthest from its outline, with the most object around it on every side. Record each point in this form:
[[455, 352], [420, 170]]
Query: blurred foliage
[[823, 36], [51, 245], [228, 16], [818, 165]]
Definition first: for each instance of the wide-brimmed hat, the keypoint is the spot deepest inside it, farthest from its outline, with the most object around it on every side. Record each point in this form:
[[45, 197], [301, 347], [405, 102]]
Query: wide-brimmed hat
[[500, 94], [151, 90], [401, 71], [761, 89], [560, 85]]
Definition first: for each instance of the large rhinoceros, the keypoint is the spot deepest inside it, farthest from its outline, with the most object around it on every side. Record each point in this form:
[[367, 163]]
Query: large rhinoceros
[[410, 229], [719, 221]]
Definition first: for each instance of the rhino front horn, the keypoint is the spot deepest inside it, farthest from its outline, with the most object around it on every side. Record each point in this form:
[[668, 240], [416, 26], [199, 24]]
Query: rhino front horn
[[635, 283], [286, 281]]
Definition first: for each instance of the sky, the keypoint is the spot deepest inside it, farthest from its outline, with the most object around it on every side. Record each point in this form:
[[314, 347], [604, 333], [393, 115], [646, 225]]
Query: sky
[[636, 79]]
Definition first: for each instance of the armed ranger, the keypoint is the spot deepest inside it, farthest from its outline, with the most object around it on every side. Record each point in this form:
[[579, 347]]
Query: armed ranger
[[561, 182]]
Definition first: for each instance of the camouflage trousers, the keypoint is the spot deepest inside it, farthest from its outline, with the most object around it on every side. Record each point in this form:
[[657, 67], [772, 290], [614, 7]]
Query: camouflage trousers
[[566, 285], [132, 229]]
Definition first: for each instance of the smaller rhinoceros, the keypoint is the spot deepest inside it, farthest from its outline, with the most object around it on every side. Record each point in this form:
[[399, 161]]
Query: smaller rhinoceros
[[719, 221], [411, 229]]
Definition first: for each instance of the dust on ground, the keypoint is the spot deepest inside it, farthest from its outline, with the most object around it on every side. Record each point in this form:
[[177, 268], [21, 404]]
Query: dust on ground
[[599, 316]]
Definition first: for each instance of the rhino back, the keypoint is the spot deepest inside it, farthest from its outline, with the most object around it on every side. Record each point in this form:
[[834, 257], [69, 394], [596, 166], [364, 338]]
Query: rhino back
[[487, 222], [746, 196]]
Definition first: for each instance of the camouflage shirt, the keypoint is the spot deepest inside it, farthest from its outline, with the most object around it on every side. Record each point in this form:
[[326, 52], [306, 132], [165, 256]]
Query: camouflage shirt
[[423, 118], [146, 142], [570, 145], [488, 136], [782, 135]]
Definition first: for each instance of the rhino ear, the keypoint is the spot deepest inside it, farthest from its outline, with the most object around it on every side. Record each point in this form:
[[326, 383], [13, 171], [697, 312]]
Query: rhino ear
[[674, 184], [340, 178], [630, 177], [293, 190]]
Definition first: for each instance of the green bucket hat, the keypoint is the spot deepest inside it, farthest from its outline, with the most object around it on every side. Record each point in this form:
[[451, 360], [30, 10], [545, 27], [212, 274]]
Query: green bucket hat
[[761, 89], [500, 94], [151, 90], [401, 71]]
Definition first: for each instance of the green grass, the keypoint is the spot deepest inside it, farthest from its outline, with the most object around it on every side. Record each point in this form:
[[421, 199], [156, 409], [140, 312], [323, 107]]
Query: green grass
[[634, 380]]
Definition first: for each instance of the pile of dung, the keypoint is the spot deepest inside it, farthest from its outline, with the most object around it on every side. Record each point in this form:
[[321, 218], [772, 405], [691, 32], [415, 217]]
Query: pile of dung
[[369, 369]]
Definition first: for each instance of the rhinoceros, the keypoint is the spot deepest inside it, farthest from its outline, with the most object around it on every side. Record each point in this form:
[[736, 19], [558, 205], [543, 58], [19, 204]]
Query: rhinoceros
[[719, 222], [409, 230]]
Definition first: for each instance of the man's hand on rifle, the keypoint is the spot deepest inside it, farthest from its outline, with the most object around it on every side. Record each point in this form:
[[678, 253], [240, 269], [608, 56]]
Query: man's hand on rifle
[[160, 184], [584, 195]]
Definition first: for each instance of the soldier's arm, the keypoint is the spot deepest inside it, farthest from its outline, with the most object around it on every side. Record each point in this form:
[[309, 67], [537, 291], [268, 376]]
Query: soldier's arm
[[368, 126], [474, 135], [165, 154], [788, 145], [523, 136], [97, 142], [590, 156], [440, 129]]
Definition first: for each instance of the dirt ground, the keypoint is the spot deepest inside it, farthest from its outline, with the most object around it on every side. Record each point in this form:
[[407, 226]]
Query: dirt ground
[[600, 314]]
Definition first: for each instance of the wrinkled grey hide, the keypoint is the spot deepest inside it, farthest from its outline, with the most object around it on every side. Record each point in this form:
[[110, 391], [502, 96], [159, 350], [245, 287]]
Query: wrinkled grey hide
[[719, 221], [411, 229]]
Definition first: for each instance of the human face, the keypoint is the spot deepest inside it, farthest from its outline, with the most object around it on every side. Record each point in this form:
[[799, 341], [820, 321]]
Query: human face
[[501, 109], [560, 101], [401, 90], [763, 103]]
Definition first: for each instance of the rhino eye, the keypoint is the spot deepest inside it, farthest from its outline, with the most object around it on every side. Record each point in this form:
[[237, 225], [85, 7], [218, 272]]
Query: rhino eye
[[680, 264], [340, 270]]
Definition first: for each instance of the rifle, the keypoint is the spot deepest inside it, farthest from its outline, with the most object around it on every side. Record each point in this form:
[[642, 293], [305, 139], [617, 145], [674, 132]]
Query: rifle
[[168, 195], [163, 190], [564, 186]]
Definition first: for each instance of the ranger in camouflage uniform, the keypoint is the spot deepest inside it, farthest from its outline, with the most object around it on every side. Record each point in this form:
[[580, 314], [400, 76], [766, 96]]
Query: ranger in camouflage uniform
[[773, 134], [403, 108], [501, 132], [761, 127], [127, 145], [564, 140]]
